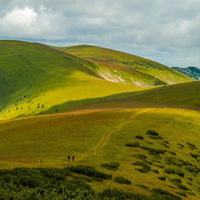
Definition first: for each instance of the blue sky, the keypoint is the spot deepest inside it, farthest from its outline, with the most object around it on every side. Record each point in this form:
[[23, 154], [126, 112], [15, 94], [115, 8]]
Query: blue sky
[[166, 31]]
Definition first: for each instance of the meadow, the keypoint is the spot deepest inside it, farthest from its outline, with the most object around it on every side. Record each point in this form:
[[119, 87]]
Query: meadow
[[129, 141]]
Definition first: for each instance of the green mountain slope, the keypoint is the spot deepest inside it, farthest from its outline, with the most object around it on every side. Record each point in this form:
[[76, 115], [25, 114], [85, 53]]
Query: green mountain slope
[[34, 78], [168, 161], [117, 63], [184, 96], [149, 135]]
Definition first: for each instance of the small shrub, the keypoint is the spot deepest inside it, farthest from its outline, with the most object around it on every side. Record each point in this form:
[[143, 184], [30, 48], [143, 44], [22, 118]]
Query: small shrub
[[192, 146], [139, 137], [156, 152], [154, 137], [168, 195], [122, 180], [145, 168], [195, 169], [111, 166], [183, 187], [165, 145], [176, 181], [152, 132], [172, 153], [181, 194], [166, 142], [155, 171], [140, 156], [194, 155], [89, 171], [162, 178], [135, 144], [142, 186], [181, 146], [174, 171]]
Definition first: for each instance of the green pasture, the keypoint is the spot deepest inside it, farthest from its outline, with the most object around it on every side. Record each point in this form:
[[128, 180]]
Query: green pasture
[[101, 137]]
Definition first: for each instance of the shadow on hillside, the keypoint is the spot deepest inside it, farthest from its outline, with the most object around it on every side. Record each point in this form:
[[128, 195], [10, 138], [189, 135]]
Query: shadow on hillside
[[173, 96]]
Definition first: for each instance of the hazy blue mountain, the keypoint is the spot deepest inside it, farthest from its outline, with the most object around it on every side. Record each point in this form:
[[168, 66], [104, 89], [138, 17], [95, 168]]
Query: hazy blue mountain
[[191, 71]]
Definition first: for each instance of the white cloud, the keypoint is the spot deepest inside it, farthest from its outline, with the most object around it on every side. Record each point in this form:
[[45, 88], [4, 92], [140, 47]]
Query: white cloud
[[163, 30]]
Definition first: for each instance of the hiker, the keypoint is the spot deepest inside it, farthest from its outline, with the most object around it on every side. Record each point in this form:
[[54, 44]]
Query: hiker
[[73, 158], [68, 157]]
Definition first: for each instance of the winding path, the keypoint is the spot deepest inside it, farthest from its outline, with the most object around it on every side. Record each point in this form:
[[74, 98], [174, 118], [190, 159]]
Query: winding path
[[106, 136]]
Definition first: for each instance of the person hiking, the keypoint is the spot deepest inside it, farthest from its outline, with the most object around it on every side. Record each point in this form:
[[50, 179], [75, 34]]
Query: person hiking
[[73, 158], [68, 157]]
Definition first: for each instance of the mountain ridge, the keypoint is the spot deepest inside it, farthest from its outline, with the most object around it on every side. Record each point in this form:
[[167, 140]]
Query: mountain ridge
[[191, 71]]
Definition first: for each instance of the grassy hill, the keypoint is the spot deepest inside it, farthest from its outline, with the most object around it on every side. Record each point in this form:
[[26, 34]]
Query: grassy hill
[[118, 63], [142, 140], [35, 78], [184, 95], [168, 161]]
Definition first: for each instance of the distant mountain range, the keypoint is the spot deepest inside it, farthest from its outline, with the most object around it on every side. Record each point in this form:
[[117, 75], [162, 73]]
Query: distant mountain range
[[193, 72]]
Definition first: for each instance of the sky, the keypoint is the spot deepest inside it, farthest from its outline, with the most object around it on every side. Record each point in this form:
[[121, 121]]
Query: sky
[[166, 31]]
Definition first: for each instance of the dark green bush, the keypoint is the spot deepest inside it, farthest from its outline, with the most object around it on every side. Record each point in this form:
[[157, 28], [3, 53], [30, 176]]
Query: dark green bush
[[114, 194], [152, 132], [166, 194], [135, 144], [154, 137], [156, 152], [194, 155], [122, 180], [111, 166], [174, 171], [183, 187], [89, 171], [139, 137], [172, 153], [145, 168], [155, 171], [192, 146], [140, 156], [181, 194], [194, 169], [162, 178], [176, 181]]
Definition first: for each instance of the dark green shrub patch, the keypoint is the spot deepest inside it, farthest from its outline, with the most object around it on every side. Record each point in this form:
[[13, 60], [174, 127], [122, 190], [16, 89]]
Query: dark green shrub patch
[[192, 146], [163, 194], [176, 181], [114, 194], [154, 137], [162, 178], [160, 166], [111, 166], [89, 171], [135, 144], [152, 132], [122, 180], [155, 171], [194, 155], [142, 186], [193, 169], [145, 168], [156, 152], [172, 153], [177, 161], [174, 171], [181, 194], [140, 156], [139, 137], [181, 146], [183, 187], [165, 145]]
